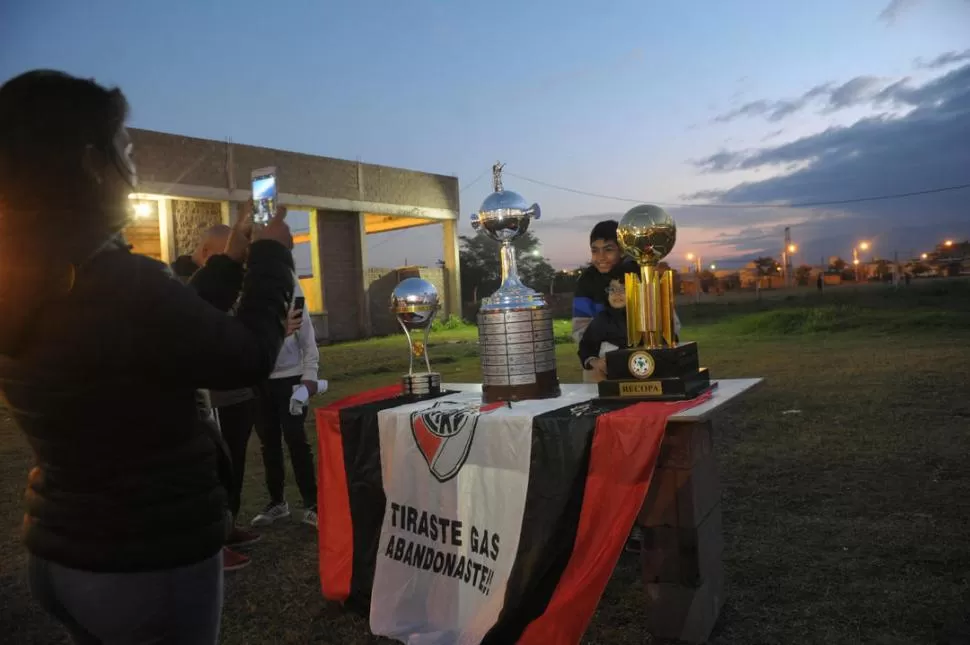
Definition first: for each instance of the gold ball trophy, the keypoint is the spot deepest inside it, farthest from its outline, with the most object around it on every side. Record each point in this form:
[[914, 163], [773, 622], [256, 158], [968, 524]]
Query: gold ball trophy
[[515, 336], [415, 303], [653, 366]]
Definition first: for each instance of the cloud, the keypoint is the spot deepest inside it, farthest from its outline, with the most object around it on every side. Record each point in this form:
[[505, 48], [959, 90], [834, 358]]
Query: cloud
[[939, 103], [893, 10], [830, 97], [943, 60], [880, 155]]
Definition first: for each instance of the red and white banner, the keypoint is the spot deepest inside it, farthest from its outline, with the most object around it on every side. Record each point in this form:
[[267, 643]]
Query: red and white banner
[[455, 474]]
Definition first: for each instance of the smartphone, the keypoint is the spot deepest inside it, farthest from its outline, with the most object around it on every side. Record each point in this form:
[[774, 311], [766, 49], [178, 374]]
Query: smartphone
[[299, 303], [264, 195]]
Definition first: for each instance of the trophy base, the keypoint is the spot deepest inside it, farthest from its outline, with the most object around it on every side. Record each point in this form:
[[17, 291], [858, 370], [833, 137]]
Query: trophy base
[[518, 354], [425, 384], [679, 388], [546, 386], [654, 373]]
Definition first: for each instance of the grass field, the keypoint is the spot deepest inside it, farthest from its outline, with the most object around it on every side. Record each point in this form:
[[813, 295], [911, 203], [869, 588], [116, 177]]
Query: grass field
[[846, 480]]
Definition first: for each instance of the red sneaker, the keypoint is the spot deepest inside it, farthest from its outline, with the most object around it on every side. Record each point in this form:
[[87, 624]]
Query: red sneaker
[[239, 537], [234, 561]]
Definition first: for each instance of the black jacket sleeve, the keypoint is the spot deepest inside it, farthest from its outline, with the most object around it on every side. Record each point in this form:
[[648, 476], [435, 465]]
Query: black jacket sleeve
[[219, 282], [187, 342]]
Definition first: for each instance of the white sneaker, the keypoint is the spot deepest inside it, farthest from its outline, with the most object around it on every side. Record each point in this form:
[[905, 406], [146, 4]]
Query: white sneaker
[[271, 513], [310, 517]]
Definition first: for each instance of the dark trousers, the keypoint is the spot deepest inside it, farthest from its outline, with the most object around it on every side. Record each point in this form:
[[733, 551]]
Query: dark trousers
[[274, 425], [236, 423], [181, 606]]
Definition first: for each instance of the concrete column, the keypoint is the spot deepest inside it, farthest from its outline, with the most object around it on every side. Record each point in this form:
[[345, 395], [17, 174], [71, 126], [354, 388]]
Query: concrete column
[[363, 301], [452, 270], [166, 231]]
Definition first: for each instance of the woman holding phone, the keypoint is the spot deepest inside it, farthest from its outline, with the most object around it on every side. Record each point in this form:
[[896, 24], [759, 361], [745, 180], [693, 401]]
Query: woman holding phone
[[298, 364], [102, 358]]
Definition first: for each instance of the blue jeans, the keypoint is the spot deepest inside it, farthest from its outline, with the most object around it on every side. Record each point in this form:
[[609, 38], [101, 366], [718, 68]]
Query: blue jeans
[[176, 606]]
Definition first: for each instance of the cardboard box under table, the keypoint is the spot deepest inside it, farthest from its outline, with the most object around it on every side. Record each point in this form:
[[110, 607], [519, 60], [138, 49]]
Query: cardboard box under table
[[502, 523]]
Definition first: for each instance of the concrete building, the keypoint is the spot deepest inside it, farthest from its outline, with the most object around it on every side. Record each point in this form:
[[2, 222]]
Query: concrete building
[[188, 184]]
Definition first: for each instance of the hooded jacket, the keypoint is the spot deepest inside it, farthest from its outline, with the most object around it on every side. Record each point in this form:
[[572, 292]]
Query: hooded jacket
[[105, 387], [299, 355]]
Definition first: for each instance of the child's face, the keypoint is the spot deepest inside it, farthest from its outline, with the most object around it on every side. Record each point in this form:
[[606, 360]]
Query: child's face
[[604, 255], [617, 294]]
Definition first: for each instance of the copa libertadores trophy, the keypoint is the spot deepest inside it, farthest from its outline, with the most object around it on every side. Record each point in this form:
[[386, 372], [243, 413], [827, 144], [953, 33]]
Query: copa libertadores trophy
[[515, 336], [653, 365], [415, 302]]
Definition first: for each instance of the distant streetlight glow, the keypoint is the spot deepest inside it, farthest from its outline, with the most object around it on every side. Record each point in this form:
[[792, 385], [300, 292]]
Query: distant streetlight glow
[[923, 256], [792, 248], [948, 243], [713, 266], [864, 246], [855, 261], [690, 256]]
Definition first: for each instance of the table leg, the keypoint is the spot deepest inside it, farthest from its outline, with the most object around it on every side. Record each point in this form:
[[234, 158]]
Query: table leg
[[683, 538]]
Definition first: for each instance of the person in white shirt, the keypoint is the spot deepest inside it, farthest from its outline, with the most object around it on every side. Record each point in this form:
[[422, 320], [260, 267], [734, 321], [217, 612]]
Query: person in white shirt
[[298, 364]]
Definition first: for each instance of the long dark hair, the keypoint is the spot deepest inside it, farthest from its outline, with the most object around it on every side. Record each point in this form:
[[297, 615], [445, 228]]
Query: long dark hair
[[52, 211]]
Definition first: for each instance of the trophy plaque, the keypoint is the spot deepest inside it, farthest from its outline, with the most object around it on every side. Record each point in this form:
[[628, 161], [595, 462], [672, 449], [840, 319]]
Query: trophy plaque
[[415, 302], [653, 366], [515, 336]]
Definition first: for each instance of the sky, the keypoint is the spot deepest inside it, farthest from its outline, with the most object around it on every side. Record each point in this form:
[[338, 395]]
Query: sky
[[725, 104]]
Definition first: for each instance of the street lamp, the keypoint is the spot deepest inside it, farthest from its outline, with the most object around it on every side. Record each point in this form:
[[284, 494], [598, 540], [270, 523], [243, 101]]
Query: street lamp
[[862, 246], [948, 243], [786, 262], [923, 256], [713, 266]]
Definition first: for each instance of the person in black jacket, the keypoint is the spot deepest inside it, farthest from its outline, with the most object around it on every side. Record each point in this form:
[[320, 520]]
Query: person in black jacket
[[235, 409], [212, 242], [605, 255], [103, 355]]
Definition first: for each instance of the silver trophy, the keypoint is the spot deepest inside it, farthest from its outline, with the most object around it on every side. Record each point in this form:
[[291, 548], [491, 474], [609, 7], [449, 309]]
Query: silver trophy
[[515, 334], [415, 303]]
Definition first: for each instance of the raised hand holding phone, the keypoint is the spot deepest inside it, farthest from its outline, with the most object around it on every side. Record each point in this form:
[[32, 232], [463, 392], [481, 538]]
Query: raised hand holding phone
[[265, 194], [277, 229]]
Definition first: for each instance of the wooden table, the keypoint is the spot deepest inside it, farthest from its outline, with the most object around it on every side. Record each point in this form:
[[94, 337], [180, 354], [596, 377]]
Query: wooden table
[[681, 520]]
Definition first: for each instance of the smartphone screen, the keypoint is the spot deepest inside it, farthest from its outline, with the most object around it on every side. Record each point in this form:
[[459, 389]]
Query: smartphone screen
[[299, 303], [264, 195]]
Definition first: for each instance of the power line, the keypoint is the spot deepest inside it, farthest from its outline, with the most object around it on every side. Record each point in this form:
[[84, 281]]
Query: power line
[[474, 181], [834, 202]]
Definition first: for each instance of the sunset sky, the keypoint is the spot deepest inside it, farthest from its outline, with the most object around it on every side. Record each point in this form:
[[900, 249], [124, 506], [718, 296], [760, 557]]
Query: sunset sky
[[666, 102]]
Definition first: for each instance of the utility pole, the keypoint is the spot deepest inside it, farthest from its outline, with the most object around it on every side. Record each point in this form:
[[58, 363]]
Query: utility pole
[[697, 283], [786, 257]]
